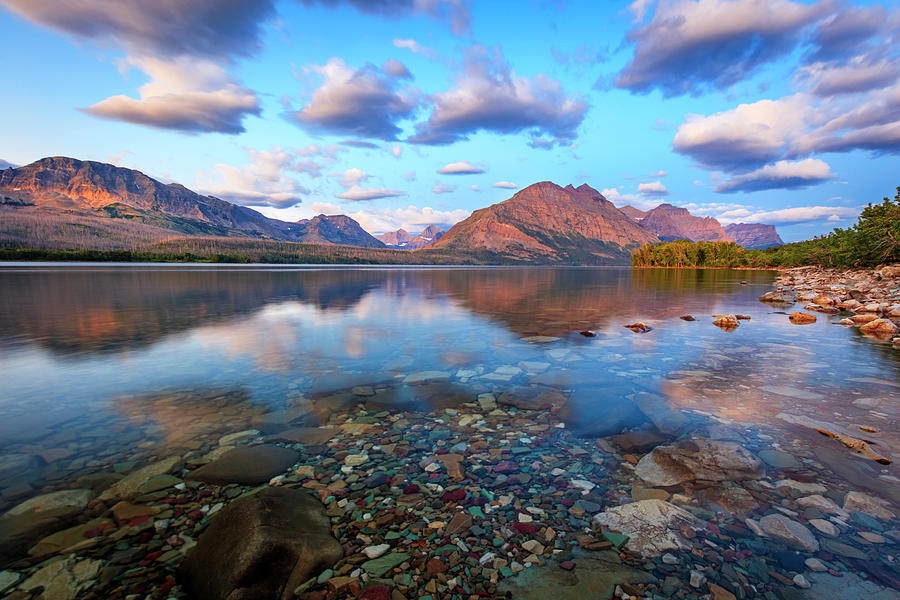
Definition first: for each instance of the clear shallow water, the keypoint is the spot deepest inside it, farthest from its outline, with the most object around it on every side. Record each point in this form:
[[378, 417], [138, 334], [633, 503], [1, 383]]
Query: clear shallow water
[[100, 364]]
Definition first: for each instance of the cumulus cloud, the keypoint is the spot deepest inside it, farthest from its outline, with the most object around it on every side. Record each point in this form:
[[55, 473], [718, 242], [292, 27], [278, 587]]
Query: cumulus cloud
[[783, 174], [350, 180], [185, 94], [753, 135], [443, 189], [396, 151], [505, 185], [489, 96], [411, 218], [747, 136], [653, 189], [203, 28], [620, 199], [788, 216], [365, 102], [264, 180], [692, 46], [848, 32], [659, 173], [183, 47], [456, 13], [462, 167], [859, 74]]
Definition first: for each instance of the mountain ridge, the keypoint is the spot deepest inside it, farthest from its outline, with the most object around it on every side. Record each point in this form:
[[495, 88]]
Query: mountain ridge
[[64, 184]]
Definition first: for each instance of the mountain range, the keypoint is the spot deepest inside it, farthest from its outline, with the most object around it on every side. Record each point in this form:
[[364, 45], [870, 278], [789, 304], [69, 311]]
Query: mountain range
[[402, 240], [543, 223], [62, 187]]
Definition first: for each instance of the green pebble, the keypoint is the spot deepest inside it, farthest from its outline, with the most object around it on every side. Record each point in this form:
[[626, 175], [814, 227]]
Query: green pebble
[[616, 539], [325, 576], [476, 511]]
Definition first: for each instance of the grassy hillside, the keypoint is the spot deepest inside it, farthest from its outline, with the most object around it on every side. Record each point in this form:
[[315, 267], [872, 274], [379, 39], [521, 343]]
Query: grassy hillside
[[875, 239]]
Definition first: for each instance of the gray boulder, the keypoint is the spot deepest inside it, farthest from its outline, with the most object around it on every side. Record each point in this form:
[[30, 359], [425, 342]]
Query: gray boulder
[[261, 547], [250, 465]]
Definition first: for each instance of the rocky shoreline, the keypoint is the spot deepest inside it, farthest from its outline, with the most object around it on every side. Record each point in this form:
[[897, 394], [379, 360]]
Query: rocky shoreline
[[867, 299], [469, 484], [482, 500]]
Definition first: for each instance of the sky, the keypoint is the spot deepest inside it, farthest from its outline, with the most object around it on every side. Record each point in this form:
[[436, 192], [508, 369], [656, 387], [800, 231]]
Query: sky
[[403, 113]]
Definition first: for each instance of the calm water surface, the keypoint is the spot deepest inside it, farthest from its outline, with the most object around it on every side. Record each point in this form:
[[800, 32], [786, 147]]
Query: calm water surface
[[102, 364]]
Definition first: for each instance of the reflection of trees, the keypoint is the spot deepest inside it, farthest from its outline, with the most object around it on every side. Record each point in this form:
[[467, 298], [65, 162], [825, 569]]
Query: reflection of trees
[[99, 310], [108, 310]]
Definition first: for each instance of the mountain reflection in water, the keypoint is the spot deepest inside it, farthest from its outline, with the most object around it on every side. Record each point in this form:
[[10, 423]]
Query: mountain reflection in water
[[166, 354]]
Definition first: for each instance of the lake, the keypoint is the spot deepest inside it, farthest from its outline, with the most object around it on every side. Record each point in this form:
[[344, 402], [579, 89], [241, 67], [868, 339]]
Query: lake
[[107, 368]]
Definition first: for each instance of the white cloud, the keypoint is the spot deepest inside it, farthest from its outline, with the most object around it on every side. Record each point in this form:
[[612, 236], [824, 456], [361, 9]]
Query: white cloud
[[691, 46], [506, 185], [749, 135], [396, 151], [780, 175], [186, 94], [416, 48], [358, 193], [788, 216], [475, 188], [462, 167], [659, 173], [443, 189], [365, 102], [653, 188], [263, 181], [489, 96], [350, 180], [411, 218]]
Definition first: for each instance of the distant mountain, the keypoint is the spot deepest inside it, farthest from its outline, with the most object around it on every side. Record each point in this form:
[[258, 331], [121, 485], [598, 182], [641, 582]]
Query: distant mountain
[[62, 187], [395, 239], [633, 212], [402, 240], [671, 223], [430, 235], [5, 164], [546, 223], [337, 229], [754, 235]]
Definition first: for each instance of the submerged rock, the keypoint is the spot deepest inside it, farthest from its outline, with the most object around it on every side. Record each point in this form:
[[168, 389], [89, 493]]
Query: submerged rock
[[699, 458], [250, 465], [590, 578], [261, 547], [64, 579], [799, 318], [790, 532], [652, 526]]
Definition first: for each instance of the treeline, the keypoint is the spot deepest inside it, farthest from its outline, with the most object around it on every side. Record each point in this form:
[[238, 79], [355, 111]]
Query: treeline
[[235, 250], [875, 239]]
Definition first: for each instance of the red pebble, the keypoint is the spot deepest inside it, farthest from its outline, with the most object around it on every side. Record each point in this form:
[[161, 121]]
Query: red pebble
[[195, 515], [454, 496], [568, 565], [411, 489], [525, 528], [150, 558], [376, 592], [92, 533], [567, 502], [138, 520]]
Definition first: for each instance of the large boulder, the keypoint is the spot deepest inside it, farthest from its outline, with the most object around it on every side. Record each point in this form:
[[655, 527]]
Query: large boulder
[[883, 327], [700, 458], [261, 547], [790, 532], [652, 526], [246, 465]]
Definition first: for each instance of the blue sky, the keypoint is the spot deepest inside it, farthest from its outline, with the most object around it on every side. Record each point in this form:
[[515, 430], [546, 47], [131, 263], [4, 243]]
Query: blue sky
[[410, 112]]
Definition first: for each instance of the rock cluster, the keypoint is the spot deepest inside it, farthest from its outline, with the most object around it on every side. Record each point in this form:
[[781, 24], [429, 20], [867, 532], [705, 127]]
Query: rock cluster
[[867, 299]]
